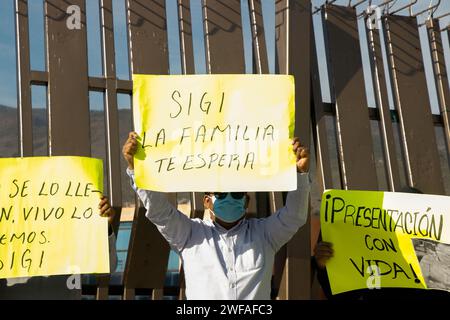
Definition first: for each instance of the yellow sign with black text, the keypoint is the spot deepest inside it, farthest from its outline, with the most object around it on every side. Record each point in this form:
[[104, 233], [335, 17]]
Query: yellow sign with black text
[[49, 217], [214, 132], [386, 240]]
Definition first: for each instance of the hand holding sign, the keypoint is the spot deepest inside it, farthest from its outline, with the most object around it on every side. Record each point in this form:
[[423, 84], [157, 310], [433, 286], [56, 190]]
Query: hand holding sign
[[105, 209], [323, 252], [129, 149], [302, 155]]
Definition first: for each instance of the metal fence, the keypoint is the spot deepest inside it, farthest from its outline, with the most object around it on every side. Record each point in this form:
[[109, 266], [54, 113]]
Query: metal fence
[[355, 146]]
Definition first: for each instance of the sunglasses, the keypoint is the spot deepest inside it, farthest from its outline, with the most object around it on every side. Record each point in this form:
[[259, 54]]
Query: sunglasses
[[234, 195]]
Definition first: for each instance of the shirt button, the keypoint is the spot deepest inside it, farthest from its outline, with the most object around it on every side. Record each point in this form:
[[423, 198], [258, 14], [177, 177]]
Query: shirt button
[[229, 250], [231, 269], [232, 285]]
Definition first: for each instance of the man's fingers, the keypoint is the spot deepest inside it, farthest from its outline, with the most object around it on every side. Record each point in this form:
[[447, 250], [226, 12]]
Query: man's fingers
[[297, 153], [130, 144], [304, 152], [130, 147], [132, 135], [324, 245], [327, 249], [324, 252], [131, 141], [104, 207], [102, 201], [106, 213]]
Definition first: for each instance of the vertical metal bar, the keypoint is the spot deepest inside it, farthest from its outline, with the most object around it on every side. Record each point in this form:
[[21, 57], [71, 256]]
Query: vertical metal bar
[[129, 294], [293, 36], [319, 123], [440, 75], [148, 251], [206, 35], [223, 36], [266, 202], [148, 36], [381, 98], [413, 105], [23, 79], [112, 123], [186, 45], [187, 67], [111, 108], [187, 58], [320, 136], [352, 117], [224, 45], [282, 16], [259, 40], [157, 294], [182, 284], [69, 126]]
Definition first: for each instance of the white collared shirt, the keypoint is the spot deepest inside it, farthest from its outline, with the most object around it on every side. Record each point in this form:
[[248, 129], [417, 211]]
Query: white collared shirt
[[229, 264]]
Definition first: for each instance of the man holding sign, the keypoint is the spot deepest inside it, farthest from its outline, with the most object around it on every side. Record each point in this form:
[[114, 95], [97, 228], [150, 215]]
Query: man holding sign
[[230, 257], [224, 134]]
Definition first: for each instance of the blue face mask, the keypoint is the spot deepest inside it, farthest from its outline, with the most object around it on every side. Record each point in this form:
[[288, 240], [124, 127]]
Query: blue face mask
[[229, 209]]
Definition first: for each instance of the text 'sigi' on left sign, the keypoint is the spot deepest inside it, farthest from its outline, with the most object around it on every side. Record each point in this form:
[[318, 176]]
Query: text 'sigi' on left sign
[[49, 217]]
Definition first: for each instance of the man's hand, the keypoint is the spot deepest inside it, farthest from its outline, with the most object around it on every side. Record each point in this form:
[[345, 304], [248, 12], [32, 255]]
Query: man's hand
[[302, 155], [106, 211], [322, 253], [129, 149]]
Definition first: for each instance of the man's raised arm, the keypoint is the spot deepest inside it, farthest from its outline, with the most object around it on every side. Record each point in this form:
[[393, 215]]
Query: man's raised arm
[[280, 227], [173, 225]]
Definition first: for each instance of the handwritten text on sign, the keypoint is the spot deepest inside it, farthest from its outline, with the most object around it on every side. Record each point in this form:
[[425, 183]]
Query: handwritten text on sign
[[49, 221], [372, 234], [214, 132]]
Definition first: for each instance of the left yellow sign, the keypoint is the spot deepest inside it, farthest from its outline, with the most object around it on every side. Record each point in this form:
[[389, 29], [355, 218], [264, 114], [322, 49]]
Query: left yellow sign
[[49, 220]]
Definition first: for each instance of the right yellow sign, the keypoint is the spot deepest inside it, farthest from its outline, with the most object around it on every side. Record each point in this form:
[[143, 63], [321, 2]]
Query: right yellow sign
[[386, 239]]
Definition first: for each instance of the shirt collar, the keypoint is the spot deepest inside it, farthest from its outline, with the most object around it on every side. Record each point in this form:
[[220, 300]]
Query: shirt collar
[[223, 230]]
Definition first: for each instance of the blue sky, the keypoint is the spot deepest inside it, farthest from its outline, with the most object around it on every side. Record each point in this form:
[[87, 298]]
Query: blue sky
[[7, 45]]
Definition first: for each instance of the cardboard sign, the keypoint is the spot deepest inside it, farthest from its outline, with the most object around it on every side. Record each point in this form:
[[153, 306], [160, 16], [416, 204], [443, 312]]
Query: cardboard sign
[[214, 132], [386, 239], [49, 217]]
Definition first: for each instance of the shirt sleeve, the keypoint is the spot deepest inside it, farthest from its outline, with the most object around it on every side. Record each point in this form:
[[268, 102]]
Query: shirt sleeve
[[280, 227], [174, 226]]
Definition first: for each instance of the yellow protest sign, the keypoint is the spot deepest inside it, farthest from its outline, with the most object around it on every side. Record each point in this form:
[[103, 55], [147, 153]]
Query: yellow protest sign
[[386, 239], [214, 132], [49, 217]]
